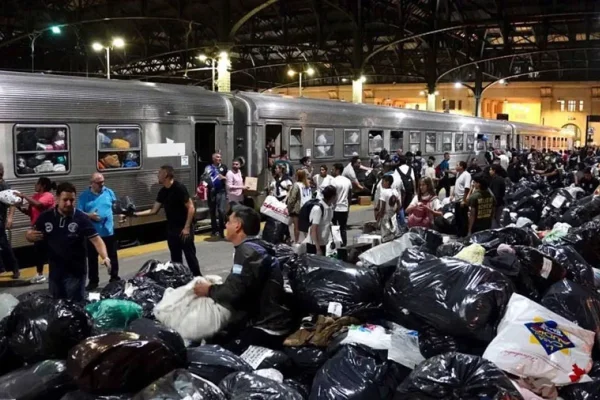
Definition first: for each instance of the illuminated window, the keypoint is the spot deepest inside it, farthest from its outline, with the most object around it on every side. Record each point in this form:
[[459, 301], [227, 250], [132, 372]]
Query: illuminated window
[[581, 105], [562, 105], [571, 105]]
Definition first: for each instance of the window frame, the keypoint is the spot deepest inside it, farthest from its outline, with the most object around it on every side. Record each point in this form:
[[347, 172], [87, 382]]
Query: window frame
[[392, 149], [16, 153], [352, 144], [98, 150], [428, 143], [301, 145], [571, 105], [315, 145], [471, 142], [451, 142], [369, 152], [410, 143], [462, 136]]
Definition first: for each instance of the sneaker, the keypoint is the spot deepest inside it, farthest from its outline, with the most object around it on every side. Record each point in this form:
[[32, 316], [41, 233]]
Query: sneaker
[[39, 278], [91, 286], [16, 275]]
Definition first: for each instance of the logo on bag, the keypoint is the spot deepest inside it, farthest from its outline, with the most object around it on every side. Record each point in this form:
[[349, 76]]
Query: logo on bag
[[549, 336]]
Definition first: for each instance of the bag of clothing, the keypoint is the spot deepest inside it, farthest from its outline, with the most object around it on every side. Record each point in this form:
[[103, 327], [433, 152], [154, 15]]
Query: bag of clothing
[[578, 270], [141, 290], [534, 342], [119, 362], [325, 286], [449, 249], [113, 314], [583, 211], [275, 209], [543, 269], [433, 239], [583, 391], [168, 274], [357, 372], [194, 318], [8, 360], [41, 328], [305, 362], [474, 296], [152, 330], [510, 266], [586, 241], [214, 363], [125, 205], [244, 385], [405, 346], [457, 376], [492, 238], [10, 198], [180, 384], [44, 380], [275, 231], [387, 254]]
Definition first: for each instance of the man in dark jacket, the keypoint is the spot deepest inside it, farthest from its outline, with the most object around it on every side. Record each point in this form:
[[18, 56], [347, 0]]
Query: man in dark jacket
[[588, 182], [253, 291], [498, 189]]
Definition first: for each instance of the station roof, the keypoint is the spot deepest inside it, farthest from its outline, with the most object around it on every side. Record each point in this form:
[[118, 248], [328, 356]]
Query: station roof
[[387, 41]]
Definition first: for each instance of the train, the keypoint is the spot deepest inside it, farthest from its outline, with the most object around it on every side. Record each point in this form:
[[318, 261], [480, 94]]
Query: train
[[67, 128]]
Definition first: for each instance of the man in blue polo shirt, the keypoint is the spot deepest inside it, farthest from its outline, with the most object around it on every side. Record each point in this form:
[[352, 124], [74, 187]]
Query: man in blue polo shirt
[[215, 177], [98, 202], [66, 231]]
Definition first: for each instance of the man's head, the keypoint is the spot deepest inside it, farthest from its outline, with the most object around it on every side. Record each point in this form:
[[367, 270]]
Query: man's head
[[401, 160], [97, 182], [355, 161], [216, 159], [461, 166], [284, 154], [481, 182], [495, 169], [388, 166], [419, 153], [587, 173], [446, 156], [243, 222], [235, 165], [65, 196], [166, 174], [338, 169], [387, 181], [329, 194], [305, 161], [271, 142], [323, 170]]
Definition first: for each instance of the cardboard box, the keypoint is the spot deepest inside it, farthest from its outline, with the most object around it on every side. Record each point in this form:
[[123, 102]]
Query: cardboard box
[[251, 183], [364, 200]]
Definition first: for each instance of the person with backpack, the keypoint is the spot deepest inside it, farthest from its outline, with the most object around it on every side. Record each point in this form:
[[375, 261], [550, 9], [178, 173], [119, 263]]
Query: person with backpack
[[417, 165], [281, 184], [253, 291], [315, 220], [389, 204], [408, 182], [424, 206], [300, 194]]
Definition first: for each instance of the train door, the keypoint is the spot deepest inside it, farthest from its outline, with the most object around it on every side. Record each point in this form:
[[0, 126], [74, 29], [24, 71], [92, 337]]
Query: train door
[[274, 132], [204, 145]]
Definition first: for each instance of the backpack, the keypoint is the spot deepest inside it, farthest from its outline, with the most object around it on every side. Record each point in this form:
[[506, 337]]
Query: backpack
[[417, 166], [304, 217], [407, 181]]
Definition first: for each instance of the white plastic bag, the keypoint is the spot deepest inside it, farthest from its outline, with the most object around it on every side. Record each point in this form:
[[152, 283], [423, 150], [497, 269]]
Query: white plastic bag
[[270, 373], [373, 336], [275, 209], [194, 318], [405, 347], [7, 303], [10, 198], [388, 253], [532, 341]]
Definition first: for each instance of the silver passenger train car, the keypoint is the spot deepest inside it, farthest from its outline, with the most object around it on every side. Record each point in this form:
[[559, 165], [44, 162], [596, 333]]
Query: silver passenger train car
[[67, 128]]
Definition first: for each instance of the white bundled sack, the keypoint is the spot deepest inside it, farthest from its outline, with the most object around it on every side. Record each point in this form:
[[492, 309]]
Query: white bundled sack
[[10, 198], [387, 254], [7, 303], [194, 318], [534, 342], [275, 209]]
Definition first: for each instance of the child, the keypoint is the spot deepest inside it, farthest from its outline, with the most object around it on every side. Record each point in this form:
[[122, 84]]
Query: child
[[388, 208]]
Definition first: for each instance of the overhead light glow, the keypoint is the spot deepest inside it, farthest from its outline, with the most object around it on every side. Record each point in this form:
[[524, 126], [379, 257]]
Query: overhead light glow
[[437, 93], [363, 79], [223, 54], [344, 80], [97, 46], [55, 30], [118, 43], [291, 73], [457, 85], [422, 93], [502, 81], [202, 57], [310, 71]]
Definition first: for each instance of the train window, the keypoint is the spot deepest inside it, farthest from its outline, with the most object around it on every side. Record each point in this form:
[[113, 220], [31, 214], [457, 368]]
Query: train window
[[497, 141], [324, 142], [470, 142], [430, 142], [396, 140], [351, 142], [447, 141], [414, 142], [459, 141], [375, 141], [526, 142], [41, 149], [296, 151], [119, 147]]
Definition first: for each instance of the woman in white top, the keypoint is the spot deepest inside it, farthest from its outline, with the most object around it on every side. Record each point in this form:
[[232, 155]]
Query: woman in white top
[[425, 206], [322, 180], [300, 193]]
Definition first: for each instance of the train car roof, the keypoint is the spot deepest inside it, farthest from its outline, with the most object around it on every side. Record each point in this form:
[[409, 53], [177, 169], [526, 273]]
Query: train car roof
[[39, 97], [523, 128], [329, 112]]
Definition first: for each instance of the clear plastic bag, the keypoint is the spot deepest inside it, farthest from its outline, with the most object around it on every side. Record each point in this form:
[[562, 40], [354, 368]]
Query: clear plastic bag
[[180, 384], [214, 363]]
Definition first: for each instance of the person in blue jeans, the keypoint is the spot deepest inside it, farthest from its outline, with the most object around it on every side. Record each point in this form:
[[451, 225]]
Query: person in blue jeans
[[215, 175], [66, 231], [98, 202]]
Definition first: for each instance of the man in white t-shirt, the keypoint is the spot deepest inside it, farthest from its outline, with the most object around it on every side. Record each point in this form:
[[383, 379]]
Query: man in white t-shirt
[[461, 193], [389, 204], [388, 169], [350, 172], [322, 180], [321, 216], [343, 188]]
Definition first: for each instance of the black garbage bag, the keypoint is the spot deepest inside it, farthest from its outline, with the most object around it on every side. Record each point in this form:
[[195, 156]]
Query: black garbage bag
[[141, 290], [549, 218], [586, 241], [275, 359], [302, 389], [124, 206], [534, 214], [275, 231], [433, 343], [474, 297], [576, 303], [543, 269], [79, 395], [180, 384], [492, 238], [457, 376], [560, 199], [433, 239], [41, 328], [317, 281], [8, 359], [284, 253], [578, 270], [167, 274], [583, 391], [46, 380], [120, 362], [510, 266], [517, 193], [244, 385], [357, 372], [507, 217], [214, 363], [153, 330], [582, 211], [305, 362], [449, 249]]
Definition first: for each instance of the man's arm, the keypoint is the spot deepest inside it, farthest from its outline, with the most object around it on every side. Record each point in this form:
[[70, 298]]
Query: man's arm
[[100, 247], [154, 210], [191, 212], [10, 217]]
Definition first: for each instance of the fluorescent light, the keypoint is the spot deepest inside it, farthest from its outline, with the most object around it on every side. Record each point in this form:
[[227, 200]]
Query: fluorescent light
[[118, 43], [97, 46], [457, 85]]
